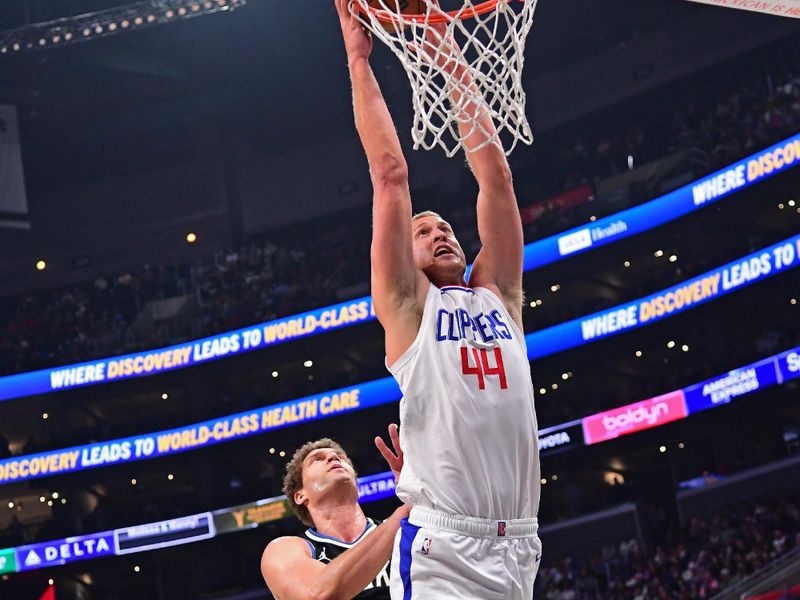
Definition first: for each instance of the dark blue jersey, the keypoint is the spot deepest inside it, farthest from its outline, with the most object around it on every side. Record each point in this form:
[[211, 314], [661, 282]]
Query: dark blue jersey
[[325, 549]]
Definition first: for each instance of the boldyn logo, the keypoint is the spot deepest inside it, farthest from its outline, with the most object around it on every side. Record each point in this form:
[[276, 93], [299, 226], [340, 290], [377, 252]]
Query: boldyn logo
[[634, 417], [567, 244]]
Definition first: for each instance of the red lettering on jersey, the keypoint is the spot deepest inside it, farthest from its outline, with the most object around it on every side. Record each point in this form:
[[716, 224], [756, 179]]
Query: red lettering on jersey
[[482, 367], [499, 369], [468, 369]]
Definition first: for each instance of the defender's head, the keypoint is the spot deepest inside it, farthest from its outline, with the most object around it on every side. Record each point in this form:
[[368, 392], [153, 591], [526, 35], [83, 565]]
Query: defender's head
[[436, 250], [318, 469]]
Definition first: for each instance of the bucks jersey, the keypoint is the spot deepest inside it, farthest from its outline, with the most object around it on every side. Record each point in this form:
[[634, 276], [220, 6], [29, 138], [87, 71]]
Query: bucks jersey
[[468, 425], [325, 549]]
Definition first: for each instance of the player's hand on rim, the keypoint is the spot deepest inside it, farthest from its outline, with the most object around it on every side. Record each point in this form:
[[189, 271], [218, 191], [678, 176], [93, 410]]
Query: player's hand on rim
[[395, 459], [357, 40]]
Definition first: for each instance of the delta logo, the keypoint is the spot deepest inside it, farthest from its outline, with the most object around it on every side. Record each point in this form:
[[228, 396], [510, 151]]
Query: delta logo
[[635, 417]]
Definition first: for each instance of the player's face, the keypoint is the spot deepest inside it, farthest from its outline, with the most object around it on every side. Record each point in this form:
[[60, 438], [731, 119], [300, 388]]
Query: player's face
[[436, 249], [325, 469]]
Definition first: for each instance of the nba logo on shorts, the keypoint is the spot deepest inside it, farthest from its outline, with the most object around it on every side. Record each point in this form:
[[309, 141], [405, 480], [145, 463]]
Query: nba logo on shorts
[[501, 528], [426, 546]]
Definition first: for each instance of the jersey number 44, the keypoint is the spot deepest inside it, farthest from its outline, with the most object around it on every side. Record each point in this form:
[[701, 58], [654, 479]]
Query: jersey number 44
[[476, 362]]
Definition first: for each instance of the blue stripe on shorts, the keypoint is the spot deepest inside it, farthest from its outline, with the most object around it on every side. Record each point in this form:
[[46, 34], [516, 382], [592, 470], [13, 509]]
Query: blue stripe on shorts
[[407, 534]]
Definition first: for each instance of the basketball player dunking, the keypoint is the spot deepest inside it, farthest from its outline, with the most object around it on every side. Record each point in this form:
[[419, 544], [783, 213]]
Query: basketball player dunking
[[468, 425]]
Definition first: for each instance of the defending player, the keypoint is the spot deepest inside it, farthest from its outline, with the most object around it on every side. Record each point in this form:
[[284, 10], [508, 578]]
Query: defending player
[[469, 429], [343, 554]]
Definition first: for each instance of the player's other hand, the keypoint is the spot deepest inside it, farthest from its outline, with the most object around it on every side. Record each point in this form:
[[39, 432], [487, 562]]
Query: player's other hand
[[394, 458], [357, 41]]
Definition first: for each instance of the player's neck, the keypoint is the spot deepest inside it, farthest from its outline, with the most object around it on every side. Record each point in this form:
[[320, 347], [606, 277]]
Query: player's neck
[[344, 521], [441, 280]]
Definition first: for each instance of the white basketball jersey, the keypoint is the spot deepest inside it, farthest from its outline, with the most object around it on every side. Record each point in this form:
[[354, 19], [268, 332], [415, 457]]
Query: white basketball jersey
[[468, 424]]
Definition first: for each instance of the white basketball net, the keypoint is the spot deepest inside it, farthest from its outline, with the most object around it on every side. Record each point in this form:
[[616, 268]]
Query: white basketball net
[[489, 49]]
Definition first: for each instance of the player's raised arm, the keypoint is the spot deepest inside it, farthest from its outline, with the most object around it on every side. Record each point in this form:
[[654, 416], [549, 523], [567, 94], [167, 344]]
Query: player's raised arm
[[394, 276], [499, 263], [291, 573]]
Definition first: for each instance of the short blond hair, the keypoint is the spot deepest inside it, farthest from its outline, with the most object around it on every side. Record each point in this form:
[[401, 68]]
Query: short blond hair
[[293, 480], [426, 213]]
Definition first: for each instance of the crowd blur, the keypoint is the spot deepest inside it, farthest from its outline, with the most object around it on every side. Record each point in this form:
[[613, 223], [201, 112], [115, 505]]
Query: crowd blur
[[694, 561], [322, 262]]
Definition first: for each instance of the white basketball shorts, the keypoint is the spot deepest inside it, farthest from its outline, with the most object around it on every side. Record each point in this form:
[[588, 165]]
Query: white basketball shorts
[[439, 556]]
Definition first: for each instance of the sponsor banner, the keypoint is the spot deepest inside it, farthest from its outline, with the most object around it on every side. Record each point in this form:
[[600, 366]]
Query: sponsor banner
[[61, 552], [164, 533], [376, 487], [8, 561], [560, 437], [201, 351], [629, 222], [781, 8], [789, 365], [666, 303], [666, 208], [199, 435], [723, 389], [251, 515], [634, 417]]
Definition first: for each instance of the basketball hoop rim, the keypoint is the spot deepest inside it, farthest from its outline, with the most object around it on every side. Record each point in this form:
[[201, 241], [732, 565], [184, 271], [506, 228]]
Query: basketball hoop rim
[[412, 19]]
